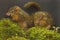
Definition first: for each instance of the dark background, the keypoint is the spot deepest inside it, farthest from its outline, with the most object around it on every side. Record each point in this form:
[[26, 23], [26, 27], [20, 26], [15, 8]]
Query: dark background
[[52, 6]]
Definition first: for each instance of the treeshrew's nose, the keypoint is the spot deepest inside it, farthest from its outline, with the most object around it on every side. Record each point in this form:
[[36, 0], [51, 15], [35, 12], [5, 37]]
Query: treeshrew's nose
[[7, 14]]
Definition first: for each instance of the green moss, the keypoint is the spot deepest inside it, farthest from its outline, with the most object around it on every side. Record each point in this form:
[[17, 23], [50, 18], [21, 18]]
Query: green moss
[[37, 33], [9, 28], [17, 38]]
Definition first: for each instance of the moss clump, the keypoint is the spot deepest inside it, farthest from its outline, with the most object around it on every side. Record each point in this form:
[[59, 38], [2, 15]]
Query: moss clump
[[9, 28], [17, 38], [37, 33]]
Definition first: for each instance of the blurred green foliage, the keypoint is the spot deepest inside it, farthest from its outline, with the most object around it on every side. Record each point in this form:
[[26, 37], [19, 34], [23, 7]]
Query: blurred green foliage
[[37, 33], [10, 30], [17, 38]]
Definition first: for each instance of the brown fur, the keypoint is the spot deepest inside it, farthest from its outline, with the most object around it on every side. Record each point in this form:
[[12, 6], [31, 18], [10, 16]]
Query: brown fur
[[20, 16], [43, 19]]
